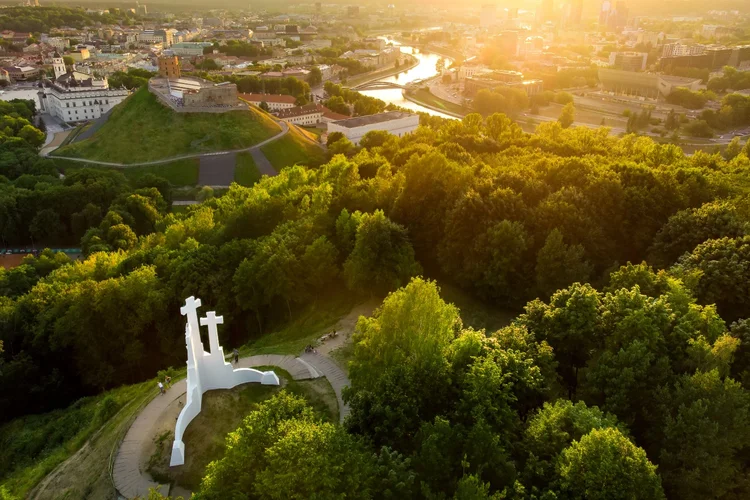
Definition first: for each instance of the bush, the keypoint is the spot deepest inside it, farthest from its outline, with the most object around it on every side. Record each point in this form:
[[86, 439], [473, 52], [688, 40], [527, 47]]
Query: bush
[[699, 128]]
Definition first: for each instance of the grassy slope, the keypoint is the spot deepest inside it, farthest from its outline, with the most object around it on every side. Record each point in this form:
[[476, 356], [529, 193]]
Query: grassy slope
[[142, 129], [179, 173], [293, 149], [307, 325], [222, 412], [245, 171], [32, 446]]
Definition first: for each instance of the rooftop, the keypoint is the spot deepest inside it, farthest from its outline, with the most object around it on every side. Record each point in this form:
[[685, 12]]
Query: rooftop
[[307, 109], [268, 98], [361, 121]]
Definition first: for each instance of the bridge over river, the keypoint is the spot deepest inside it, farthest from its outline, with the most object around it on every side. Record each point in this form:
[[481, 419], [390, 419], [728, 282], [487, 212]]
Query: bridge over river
[[385, 85]]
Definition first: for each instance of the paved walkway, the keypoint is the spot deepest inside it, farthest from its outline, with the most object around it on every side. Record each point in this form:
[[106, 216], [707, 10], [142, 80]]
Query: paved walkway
[[130, 481], [264, 166], [217, 170]]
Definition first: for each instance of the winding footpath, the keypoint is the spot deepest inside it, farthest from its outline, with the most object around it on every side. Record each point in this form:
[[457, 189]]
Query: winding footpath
[[131, 482]]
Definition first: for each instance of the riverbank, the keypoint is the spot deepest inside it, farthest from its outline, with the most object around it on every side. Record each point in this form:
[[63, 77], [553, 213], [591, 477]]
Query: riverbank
[[377, 75], [428, 100]]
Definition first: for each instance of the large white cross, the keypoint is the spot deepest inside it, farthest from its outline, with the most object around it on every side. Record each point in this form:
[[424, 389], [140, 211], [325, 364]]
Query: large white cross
[[212, 320], [189, 310]]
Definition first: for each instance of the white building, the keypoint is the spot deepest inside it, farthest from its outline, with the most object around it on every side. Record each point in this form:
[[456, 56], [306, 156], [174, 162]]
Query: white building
[[394, 122], [189, 49], [275, 102], [75, 97], [307, 115]]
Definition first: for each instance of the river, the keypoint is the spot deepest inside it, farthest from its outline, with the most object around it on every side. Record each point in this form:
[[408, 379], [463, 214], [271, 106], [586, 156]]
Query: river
[[425, 69]]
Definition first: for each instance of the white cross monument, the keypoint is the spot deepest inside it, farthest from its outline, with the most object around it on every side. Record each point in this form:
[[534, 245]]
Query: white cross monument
[[207, 371]]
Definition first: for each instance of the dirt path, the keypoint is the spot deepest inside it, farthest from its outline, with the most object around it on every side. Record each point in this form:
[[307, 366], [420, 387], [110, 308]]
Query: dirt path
[[345, 327]]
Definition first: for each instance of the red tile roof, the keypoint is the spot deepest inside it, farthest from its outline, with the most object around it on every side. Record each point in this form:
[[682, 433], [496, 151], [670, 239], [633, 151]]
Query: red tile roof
[[288, 99]]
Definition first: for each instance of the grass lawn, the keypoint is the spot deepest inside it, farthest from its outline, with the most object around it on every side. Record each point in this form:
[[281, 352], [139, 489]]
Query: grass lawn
[[179, 173], [429, 98], [476, 313], [306, 326], [245, 171], [293, 149], [222, 412], [32, 446], [142, 129]]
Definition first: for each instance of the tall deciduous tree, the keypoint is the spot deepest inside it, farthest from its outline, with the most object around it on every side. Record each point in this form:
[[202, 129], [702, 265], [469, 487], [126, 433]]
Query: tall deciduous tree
[[382, 258], [605, 465]]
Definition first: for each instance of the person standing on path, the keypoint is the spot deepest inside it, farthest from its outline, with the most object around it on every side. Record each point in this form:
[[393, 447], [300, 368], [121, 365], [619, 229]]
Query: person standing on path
[[168, 381], [236, 356], [161, 387]]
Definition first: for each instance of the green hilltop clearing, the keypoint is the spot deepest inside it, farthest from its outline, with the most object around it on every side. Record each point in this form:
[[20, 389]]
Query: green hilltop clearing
[[142, 129]]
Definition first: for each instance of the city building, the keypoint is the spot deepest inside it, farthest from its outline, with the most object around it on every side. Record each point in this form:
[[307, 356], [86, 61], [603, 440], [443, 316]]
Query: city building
[[189, 49], [677, 49], [629, 61], [572, 13], [80, 54], [394, 122], [307, 115], [22, 73], [169, 67], [645, 85], [195, 94], [488, 16], [165, 37], [275, 102], [75, 96]]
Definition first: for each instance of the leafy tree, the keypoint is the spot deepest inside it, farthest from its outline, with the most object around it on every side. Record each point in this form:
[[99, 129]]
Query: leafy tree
[[569, 325], [399, 373], [382, 258], [567, 115], [723, 278], [688, 228], [337, 105], [315, 77], [550, 431], [559, 265], [334, 137], [46, 226], [32, 135], [604, 464], [706, 436]]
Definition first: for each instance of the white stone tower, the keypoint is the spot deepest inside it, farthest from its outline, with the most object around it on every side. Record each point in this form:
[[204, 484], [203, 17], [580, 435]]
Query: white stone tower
[[58, 64]]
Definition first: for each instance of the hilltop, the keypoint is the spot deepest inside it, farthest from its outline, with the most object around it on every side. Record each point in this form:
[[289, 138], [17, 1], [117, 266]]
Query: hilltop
[[141, 129]]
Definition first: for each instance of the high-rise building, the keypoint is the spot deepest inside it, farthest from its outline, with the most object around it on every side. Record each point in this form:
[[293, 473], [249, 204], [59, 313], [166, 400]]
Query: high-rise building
[[141, 10], [546, 11], [488, 16], [573, 13], [613, 17]]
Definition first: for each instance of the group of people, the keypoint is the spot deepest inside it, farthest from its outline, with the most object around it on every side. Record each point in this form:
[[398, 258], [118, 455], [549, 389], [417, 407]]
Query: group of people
[[327, 336], [167, 383]]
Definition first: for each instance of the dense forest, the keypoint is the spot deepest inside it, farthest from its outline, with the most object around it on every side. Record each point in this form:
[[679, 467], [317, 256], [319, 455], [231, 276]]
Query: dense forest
[[623, 376], [44, 19]]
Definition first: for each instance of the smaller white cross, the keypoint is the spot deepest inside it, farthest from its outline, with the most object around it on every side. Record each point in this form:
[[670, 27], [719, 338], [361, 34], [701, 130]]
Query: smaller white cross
[[211, 320]]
